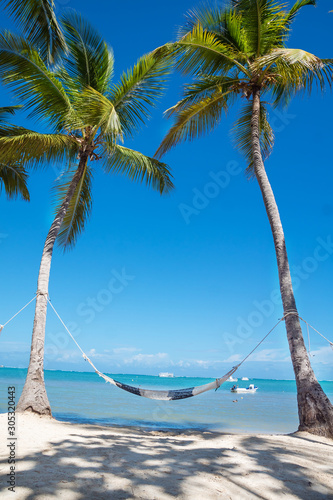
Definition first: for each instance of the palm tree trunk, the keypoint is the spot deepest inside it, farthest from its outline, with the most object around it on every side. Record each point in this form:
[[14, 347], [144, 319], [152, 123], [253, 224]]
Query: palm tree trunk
[[34, 397], [314, 408]]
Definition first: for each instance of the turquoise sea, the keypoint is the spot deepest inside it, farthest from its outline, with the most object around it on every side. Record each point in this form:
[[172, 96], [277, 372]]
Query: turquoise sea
[[85, 397]]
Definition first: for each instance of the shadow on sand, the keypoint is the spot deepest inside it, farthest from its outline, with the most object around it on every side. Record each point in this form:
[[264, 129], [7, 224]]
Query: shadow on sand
[[133, 463]]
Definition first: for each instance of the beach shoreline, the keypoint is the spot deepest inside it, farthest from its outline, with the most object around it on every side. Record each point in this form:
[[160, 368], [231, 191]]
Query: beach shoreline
[[55, 459]]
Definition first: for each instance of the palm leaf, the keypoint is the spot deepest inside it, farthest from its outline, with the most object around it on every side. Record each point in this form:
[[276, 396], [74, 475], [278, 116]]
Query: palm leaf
[[203, 88], [264, 22], [5, 111], [224, 24], [202, 52], [295, 70], [297, 6], [31, 149], [36, 19], [95, 110], [22, 68], [138, 167], [89, 61], [138, 90], [194, 120], [13, 178], [79, 208]]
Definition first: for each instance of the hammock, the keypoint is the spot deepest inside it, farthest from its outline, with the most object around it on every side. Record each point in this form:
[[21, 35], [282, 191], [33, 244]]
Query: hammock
[[165, 395], [170, 395], [175, 394]]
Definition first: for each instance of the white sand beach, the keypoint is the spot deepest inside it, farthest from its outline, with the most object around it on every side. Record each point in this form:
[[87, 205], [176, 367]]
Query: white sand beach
[[56, 460]]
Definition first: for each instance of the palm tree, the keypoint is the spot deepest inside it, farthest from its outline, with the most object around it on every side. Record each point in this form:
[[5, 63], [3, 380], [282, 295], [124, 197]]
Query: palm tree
[[89, 118], [13, 177], [240, 51]]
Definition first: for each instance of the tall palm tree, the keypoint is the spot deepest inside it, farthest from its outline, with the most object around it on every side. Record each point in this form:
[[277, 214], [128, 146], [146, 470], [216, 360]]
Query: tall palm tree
[[240, 51], [89, 118], [13, 176]]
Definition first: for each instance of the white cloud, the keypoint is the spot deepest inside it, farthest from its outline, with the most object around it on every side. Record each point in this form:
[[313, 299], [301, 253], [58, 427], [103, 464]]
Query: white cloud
[[123, 350], [15, 347], [277, 355], [72, 356], [148, 359], [198, 363], [233, 358], [183, 364], [202, 363], [114, 357]]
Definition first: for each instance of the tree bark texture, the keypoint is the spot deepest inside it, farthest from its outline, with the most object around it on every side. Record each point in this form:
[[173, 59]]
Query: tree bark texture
[[314, 408], [34, 397]]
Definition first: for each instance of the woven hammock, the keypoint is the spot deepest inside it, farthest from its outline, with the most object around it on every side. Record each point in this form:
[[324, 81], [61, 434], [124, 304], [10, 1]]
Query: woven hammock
[[170, 395], [174, 394]]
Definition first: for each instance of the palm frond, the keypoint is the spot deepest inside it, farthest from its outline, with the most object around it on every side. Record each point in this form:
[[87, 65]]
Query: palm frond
[[89, 61], [31, 149], [13, 178], [264, 22], [79, 208], [294, 70], [139, 89], [205, 87], [209, 16], [22, 68], [242, 134], [138, 167], [201, 51], [297, 6], [37, 20], [95, 110], [195, 120], [7, 110], [224, 23]]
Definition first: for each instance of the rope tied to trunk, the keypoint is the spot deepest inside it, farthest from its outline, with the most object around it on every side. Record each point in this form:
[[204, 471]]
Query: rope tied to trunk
[[294, 312], [291, 312], [18, 312]]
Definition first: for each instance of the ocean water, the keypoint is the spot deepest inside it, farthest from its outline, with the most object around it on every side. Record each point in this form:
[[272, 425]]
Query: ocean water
[[85, 398]]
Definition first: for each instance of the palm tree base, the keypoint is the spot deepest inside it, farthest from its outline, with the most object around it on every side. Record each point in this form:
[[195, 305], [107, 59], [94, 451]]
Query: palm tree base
[[315, 410], [34, 398]]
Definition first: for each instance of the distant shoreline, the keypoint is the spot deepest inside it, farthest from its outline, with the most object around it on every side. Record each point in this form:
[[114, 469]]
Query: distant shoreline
[[156, 375]]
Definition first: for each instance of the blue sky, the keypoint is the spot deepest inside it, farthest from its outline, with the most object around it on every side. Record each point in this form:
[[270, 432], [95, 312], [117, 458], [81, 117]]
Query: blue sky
[[186, 283]]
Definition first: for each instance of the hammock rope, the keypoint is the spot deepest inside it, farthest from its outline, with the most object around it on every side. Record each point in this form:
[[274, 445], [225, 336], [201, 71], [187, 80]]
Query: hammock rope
[[168, 395], [150, 393], [308, 324], [18, 312], [176, 393]]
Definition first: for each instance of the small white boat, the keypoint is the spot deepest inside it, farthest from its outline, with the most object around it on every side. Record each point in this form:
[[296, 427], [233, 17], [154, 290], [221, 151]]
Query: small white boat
[[232, 379], [252, 388], [166, 374], [245, 378]]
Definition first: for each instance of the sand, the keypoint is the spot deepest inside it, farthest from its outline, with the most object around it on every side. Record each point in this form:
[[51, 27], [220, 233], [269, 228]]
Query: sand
[[73, 461]]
